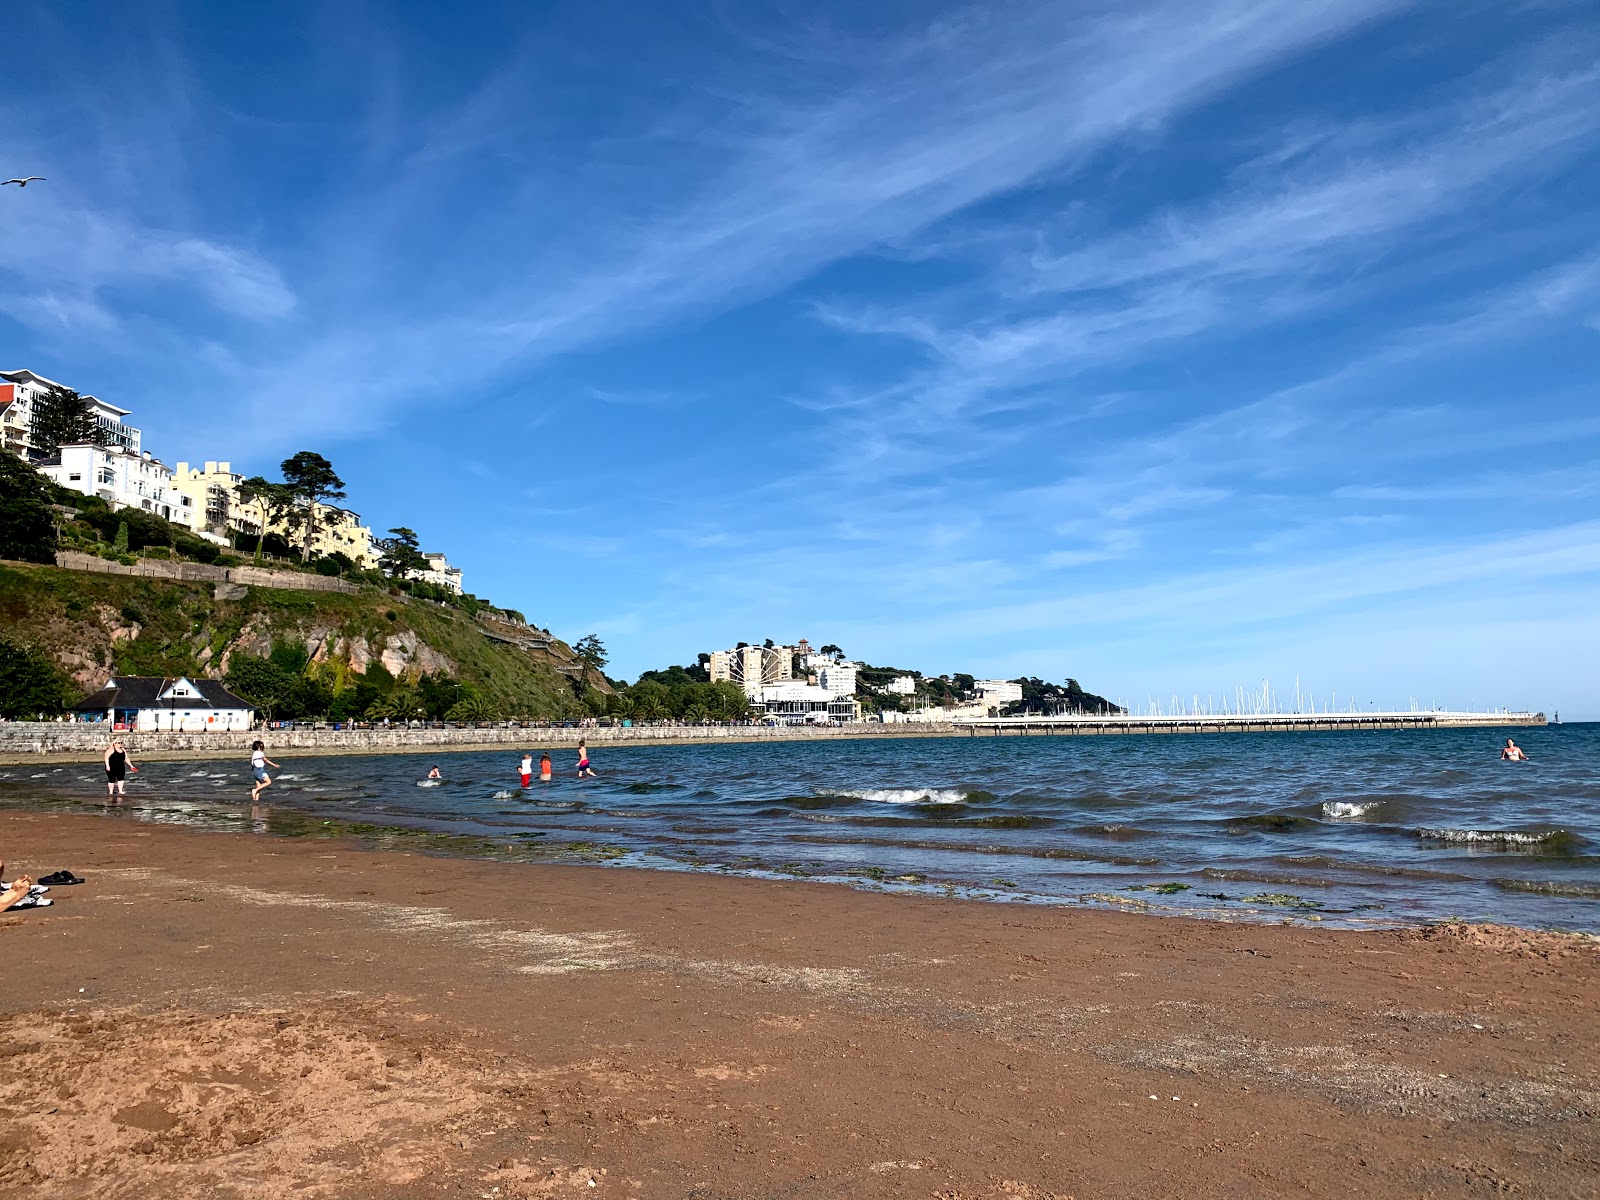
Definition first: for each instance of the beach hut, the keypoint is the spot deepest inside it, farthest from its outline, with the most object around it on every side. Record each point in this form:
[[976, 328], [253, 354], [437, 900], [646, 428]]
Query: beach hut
[[146, 703]]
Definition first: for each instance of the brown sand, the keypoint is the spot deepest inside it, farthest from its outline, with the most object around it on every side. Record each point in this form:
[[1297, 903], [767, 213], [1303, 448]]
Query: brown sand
[[218, 1015]]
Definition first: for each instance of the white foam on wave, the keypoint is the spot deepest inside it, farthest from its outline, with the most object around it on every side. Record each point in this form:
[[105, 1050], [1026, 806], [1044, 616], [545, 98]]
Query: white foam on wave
[[907, 795], [506, 795], [1348, 810], [1499, 837], [429, 782]]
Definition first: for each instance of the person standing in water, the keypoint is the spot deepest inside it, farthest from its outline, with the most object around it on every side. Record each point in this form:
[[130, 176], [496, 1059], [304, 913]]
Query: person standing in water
[[118, 764], [259, 762], [1513, 753], [585, 771], [526, 770], [545, 769]]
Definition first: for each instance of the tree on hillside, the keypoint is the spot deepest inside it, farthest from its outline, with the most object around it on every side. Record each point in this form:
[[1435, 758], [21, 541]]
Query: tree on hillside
[[27, 531], [399, 553], [310, 480], [591, 652], [832, 652], [265, 684], [31, 685], [61, 417], [274, 500]]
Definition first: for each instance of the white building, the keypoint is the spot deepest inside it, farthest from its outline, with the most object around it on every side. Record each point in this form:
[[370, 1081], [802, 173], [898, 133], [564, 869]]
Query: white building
[[838, 678], [440, 572], [149, 702], [901, 685], [123, 479], [19, 394], [997, 693], [795, 702]]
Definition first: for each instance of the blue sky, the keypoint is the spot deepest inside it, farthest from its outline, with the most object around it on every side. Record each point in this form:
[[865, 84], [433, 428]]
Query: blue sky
[[1167, 346]]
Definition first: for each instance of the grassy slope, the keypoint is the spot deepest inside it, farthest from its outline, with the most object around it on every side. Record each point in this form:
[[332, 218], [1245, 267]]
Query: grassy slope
[[161, 627]]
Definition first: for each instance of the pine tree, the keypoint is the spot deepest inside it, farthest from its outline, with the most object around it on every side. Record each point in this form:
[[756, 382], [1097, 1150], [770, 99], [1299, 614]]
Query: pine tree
[[61, 417], [120, 543]]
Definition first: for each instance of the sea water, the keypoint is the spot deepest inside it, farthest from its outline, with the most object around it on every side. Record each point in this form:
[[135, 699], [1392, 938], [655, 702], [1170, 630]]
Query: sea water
[[1352, 828]]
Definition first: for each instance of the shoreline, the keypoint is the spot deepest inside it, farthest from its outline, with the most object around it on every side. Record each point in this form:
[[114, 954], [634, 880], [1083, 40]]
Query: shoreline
[[264, 1016]]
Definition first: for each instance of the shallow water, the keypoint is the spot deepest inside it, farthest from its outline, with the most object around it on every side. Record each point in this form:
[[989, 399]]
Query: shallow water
[[1354, 828]]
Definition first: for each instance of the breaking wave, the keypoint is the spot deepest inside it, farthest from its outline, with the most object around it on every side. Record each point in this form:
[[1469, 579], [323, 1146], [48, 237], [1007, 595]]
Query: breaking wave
[[907, 795], [1348, 810], [1554, 840]]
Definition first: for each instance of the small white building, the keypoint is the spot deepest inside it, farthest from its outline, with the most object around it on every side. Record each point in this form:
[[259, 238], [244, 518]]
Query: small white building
[[440, 572], [123, 479], [998, 693], [145, 703], [20, 390], [901, 685]]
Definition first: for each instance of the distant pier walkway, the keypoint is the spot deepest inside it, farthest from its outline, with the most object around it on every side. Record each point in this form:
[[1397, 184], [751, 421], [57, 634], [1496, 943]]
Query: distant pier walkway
[[1238, 723]]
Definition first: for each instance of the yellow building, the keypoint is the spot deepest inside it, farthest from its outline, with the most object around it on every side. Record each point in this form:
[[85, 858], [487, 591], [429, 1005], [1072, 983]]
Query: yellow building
[[215, 489]]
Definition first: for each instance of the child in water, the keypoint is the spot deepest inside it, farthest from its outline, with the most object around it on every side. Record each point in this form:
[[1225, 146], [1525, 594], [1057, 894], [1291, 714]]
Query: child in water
[[544, 768], [526, 769], [585, 771]]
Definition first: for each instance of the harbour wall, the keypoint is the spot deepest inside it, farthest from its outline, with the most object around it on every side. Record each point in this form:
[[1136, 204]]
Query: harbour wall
[[27, 741]]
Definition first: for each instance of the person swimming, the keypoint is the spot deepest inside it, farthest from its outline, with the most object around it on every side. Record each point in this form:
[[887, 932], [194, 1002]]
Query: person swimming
[[434, 774], [1513, 753]]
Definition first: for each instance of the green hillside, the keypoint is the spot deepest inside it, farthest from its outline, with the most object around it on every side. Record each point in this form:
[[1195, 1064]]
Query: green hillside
[[342, 651]]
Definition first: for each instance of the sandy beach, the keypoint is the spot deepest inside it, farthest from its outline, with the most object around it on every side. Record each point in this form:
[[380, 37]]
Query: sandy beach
[[220, 1015]]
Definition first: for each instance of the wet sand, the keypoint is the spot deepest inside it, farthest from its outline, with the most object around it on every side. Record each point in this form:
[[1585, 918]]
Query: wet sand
[[238, 1016]]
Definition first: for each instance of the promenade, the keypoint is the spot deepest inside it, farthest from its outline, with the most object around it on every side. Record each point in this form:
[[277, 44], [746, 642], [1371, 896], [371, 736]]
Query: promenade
[[27, 741]]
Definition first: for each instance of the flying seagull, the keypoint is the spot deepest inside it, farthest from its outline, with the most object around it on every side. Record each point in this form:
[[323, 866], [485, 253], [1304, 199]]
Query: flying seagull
[[23, 182]]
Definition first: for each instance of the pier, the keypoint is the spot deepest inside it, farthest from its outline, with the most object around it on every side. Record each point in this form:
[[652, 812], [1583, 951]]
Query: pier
[[1080, 724]]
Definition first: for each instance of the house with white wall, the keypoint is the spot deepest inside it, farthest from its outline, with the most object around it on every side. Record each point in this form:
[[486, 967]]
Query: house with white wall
[[123, 479]]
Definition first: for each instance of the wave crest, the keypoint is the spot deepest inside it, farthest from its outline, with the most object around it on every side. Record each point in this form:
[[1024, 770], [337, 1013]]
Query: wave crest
[[907, 795], [1348, 810]]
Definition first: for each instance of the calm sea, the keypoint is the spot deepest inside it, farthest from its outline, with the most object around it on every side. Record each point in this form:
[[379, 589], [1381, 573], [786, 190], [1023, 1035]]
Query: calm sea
[[1341, 828]]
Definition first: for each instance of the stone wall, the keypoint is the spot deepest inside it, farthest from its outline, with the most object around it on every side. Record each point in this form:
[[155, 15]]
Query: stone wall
[[192, 572], [24, 739]]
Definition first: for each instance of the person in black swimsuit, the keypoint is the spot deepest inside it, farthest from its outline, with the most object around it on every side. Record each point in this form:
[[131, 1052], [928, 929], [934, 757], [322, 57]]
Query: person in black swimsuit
[[118, 765]]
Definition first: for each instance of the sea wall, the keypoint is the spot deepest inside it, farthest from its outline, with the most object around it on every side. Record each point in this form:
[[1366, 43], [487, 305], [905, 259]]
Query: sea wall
[[27, 740], [192, 572], [23, 741]]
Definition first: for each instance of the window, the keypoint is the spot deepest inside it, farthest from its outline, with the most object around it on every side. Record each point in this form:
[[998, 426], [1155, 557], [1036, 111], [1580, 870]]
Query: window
[[75, 476]]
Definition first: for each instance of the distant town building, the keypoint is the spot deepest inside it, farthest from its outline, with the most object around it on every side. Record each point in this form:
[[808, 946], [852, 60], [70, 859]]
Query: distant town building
[[123, 479], [19, 393], [336, 531], [795, 702], [440, 572], [148, 702], [838, 677], [901, 685], [214, 488], [752, 666], [998, 692]]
